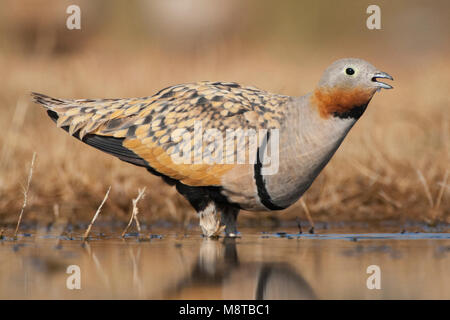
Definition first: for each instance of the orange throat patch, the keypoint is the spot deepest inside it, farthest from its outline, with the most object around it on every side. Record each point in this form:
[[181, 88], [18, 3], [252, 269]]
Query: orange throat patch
[[332, 101]]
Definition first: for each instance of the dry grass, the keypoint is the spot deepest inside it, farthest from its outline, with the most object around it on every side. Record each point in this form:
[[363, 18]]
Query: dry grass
[[25, 195]]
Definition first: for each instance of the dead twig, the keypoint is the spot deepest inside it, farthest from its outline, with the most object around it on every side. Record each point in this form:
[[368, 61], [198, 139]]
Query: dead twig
[[25, 195], [426, 187], [135, 212], [299, 225], [308, 215], [88, 230], [442, 185], [441, 190], [389, 200]]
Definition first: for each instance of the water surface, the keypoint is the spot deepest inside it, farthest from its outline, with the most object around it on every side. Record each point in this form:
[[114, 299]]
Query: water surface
[[274, 265]]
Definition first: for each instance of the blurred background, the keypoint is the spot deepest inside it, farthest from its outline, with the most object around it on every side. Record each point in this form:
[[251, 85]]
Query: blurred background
[[393, 167]]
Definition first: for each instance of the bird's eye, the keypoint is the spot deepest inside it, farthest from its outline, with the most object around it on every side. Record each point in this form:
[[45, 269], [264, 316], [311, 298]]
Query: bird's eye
[[349, 71]]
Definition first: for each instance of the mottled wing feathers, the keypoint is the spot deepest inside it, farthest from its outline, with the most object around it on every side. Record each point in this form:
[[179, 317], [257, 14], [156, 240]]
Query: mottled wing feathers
[[111, 145], [87, 115], [148, 126]]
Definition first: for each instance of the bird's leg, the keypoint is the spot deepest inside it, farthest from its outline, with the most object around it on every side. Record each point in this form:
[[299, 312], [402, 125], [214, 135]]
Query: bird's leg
[[210, 221], [228, 218]]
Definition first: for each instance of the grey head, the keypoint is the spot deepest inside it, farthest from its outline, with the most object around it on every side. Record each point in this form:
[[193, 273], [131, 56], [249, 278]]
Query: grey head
[[352, 73]]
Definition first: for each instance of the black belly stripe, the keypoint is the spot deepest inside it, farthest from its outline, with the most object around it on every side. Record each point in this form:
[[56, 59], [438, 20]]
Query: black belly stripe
[[354, 113], [263, 195]]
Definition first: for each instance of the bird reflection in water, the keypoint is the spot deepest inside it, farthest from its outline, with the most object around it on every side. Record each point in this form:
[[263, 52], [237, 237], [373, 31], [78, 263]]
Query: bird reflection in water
[[218, 274]]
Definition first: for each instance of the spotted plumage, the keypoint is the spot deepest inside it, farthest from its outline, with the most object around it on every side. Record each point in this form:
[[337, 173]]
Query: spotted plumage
[[147, 124], [150, 132]]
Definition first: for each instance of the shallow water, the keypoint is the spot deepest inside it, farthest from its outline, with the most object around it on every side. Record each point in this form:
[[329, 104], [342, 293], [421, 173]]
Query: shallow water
[[283, 265]]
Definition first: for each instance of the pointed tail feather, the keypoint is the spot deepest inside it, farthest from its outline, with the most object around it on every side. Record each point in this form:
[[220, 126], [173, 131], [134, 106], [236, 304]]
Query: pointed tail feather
[[46, 101]]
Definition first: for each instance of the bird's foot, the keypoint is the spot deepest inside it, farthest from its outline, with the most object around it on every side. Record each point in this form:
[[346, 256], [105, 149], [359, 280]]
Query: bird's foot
[[210, 222]]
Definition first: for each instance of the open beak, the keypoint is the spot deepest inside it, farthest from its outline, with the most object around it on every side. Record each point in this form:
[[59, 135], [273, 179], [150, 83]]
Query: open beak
[[382, 75]]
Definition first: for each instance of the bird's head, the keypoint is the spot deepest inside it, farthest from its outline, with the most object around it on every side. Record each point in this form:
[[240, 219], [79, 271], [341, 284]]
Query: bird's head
[[346, 88]]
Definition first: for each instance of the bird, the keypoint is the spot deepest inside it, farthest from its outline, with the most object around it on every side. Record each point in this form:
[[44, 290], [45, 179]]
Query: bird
[[211, 140]]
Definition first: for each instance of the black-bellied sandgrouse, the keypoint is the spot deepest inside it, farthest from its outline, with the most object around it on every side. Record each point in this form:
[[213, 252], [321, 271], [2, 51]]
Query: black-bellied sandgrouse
[[226, 147]]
